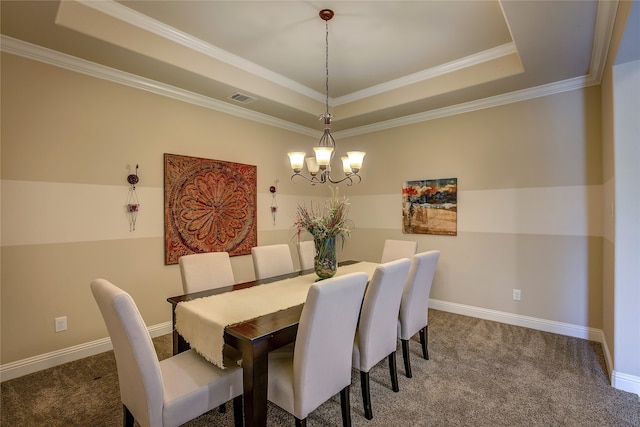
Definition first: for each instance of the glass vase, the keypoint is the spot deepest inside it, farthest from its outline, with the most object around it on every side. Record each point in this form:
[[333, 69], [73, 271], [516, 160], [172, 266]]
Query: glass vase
[[325, 261]]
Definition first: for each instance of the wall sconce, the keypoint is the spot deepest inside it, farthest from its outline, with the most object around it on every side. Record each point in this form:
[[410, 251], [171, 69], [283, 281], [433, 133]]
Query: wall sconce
[[133, 205], [274, 203]]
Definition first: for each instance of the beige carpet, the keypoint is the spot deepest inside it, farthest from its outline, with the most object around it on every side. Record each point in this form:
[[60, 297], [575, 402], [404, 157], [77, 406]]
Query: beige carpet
[[481, 373]]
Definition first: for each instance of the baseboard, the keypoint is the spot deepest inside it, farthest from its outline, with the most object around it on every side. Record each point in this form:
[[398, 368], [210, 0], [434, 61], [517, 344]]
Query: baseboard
[[561, 328], [621, 381], [37, 363], [626, 382], [607, 356], [30, 365]]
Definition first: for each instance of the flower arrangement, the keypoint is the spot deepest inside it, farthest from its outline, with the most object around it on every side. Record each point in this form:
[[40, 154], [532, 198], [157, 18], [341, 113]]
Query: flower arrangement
[[325, 224], [329, 220]]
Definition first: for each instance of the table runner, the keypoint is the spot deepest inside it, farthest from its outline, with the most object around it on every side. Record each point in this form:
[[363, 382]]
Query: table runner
[[201, 322]]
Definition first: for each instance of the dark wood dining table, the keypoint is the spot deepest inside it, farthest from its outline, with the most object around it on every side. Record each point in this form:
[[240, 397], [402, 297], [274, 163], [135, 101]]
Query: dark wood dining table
[[254, 338]]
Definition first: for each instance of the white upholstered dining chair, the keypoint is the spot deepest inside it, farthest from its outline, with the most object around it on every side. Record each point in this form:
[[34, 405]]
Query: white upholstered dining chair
[[306, 254], [414, 306], [377, 333], [204, 271], [320, 365], [208, 270], [160, 393], [396, 249], [271, 260]]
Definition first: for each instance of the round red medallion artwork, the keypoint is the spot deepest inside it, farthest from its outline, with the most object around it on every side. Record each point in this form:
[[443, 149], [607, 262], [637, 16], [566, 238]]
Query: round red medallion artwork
[[211, 207]]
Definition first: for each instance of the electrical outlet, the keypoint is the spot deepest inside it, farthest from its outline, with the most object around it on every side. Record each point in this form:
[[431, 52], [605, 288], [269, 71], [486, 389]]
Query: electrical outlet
[[61, 323], [516, 294]]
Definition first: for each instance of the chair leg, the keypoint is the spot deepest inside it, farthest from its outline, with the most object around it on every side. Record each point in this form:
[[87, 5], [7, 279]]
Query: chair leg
[[127, 419], [237, 411], [423, 340], [301, 423], [346, 406], [222, 408], [393, 371], [405, 356], [366, 395]]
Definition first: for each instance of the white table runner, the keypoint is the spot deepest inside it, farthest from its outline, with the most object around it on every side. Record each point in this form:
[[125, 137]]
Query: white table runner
[[201, 322]]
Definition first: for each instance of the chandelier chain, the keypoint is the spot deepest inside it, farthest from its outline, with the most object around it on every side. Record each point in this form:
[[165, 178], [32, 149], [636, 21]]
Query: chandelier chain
[[326, 26]]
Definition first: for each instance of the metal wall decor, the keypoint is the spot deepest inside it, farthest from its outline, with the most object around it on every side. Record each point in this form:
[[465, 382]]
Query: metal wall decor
[[209, 206], [133, 205], [274, 203]]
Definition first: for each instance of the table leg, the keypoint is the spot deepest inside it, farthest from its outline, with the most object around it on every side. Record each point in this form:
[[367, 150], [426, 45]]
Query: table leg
[[179, 344], [255, 365]]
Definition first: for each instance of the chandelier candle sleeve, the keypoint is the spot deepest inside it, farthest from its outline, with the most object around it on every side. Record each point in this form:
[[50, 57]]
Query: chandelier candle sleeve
[[312, 165]]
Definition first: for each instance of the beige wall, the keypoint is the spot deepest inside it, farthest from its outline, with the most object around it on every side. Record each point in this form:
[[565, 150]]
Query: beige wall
[[68, 141], [529, 176], [545, 142], [621, 287], [529, 204], [608, 219]]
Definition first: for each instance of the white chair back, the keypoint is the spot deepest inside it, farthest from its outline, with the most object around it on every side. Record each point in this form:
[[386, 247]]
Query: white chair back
[[139, 372], [322, 355], [204, 271], [376, 336], [306, 254], [320, 366], [271, 260], [396, 249], [415, 297]]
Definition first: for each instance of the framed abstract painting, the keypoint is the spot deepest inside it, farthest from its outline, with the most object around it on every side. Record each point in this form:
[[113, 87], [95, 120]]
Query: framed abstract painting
[[209, 206], [430, 206]]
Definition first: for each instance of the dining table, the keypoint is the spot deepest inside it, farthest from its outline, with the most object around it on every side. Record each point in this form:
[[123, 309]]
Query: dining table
[[255, 336]]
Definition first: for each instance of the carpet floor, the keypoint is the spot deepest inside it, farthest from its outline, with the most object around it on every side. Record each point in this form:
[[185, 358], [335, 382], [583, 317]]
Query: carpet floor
[[480, 373]]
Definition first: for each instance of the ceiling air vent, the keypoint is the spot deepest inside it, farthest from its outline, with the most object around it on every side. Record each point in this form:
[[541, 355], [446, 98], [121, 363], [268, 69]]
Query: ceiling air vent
[[242, 98]]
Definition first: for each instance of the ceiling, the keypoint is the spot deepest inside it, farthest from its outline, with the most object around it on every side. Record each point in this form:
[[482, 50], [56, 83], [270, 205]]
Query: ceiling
[[390, 62]]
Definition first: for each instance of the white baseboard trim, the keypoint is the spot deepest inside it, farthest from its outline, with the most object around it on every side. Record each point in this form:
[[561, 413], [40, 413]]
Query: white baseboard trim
[[30, 365], [621, 381], [37, 363], [626, 382], [607, 356], [561, 328]]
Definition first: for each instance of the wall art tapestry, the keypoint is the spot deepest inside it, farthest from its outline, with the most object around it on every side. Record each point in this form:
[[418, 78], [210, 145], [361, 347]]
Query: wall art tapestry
[[209, 206], [430, 206]]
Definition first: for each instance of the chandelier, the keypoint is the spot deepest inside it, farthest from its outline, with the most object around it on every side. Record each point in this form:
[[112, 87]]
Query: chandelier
[[319, 167]]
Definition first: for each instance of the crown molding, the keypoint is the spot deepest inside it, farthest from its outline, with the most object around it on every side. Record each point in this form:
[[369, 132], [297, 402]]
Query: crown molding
[[605, 20], [51, 57], [144, 22], [480, 104], [62, 60], [449, 67]]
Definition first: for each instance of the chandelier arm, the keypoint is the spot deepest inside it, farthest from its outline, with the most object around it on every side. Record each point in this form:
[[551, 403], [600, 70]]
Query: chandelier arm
[[313, 180], [348, 177]]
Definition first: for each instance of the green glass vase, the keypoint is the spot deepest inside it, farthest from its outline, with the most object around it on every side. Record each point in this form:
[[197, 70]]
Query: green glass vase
[[325, 261]]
